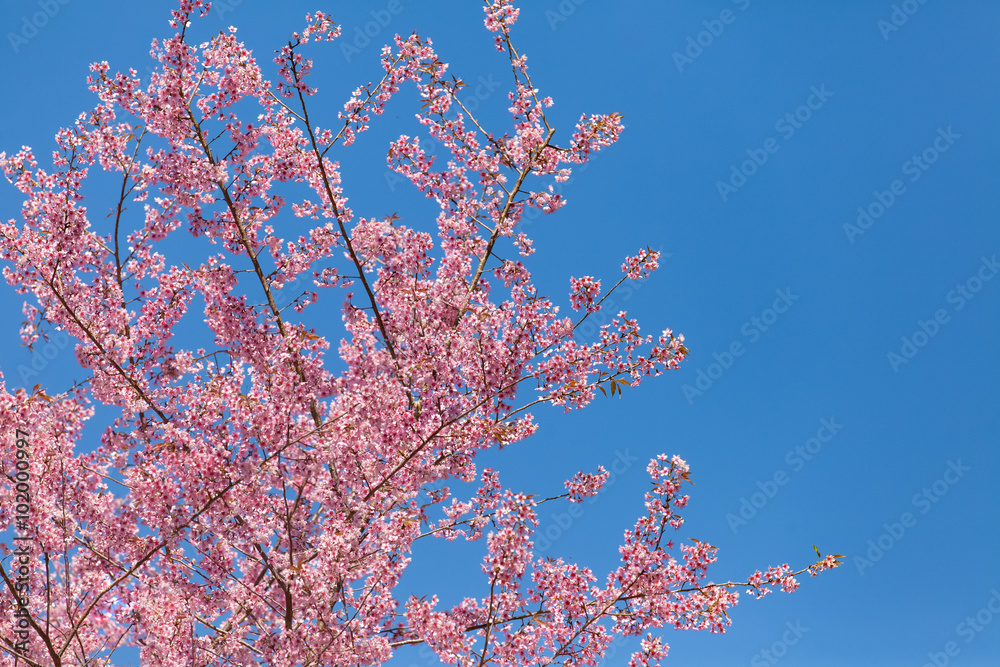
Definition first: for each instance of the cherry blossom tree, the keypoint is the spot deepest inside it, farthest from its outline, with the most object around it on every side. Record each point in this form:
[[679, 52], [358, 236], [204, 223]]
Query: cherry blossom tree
[[250, 506]]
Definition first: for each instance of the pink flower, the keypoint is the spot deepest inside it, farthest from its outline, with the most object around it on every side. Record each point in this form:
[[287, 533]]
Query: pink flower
[[584, 291], [642, 265]]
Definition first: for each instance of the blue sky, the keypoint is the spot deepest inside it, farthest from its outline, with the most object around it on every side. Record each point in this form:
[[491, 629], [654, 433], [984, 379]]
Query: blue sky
[[842, 385]]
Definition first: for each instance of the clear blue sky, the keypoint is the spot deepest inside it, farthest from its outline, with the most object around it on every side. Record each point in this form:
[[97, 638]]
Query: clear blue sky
[[804, 112]]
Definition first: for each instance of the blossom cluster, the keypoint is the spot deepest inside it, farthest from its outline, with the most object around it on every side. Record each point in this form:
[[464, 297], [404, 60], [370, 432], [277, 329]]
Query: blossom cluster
[[257, 494], [584, 292], [584, 485]]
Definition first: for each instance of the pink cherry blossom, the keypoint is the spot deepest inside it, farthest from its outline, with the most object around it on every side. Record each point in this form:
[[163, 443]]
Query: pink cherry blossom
[[257, 495], [584, 485]]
